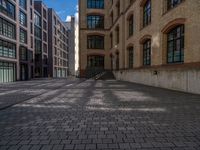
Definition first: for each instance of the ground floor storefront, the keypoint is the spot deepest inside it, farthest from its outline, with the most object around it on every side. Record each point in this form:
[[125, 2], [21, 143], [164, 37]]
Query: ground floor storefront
[[7, 72]]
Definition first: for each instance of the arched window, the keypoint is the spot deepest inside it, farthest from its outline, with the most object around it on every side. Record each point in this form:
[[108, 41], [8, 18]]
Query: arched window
[[175, 45], [147, 13], [117, 60], [147, 52], [95, 42], [130, 25], [117, 35], [111, 40], [95, 22], [95, 4], [130, 57]]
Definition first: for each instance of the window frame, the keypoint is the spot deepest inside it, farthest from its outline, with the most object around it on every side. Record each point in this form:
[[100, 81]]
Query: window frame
[[147, 13], [95, 4], [97, 39], [174, 41], [147, 52], [92, 21]]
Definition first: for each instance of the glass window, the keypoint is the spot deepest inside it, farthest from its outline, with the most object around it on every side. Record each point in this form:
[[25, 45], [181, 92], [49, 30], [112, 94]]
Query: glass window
[[22, 18], [130, 26], [95, 21], [117, 35], [22, 3], [38, 32], [175, 45], [7, 49], [95, 4], [95, 42], [118, 8], [147, 53], [7, 29], [23, 53], [38, 46], [173, 3], [147, 13], [37, 20], [23, 36], [7, 8], [7, 72], [96, 61], [130, 56]]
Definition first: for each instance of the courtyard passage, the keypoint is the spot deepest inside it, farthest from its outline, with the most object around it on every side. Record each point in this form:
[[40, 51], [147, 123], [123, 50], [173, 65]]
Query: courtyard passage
[[105, 115]]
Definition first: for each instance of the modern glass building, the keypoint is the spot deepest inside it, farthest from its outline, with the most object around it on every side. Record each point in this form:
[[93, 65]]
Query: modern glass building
[[16, 40]]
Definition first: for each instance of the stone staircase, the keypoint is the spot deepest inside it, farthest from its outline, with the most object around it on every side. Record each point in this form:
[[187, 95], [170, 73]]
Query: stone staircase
[[107, 75]]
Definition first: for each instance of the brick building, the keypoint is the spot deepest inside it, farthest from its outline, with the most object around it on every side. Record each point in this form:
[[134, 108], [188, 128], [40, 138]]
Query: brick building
[[153, 42]]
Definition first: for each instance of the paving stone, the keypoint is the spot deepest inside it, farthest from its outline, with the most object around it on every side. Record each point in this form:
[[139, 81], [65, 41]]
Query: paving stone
[[103, 115]]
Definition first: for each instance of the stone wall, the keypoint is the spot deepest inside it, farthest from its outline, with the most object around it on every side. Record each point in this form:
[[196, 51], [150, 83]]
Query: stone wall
[[187, 80]]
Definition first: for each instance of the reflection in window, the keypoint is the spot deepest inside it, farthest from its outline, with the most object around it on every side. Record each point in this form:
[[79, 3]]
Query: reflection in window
[[23, 36], [95, 4], [7, 49], [95, 22], [173, 3], [147, 13], [7, 8], [22, 18], [7, 72], [175, 45]]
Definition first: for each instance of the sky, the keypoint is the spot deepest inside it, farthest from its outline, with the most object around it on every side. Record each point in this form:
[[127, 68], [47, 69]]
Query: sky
[[64, 8]]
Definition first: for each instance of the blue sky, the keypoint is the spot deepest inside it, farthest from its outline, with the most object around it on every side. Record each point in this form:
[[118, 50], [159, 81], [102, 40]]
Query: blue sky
[[63, 8]]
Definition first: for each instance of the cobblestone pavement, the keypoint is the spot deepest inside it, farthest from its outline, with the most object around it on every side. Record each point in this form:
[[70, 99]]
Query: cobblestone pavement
[[63, 115]]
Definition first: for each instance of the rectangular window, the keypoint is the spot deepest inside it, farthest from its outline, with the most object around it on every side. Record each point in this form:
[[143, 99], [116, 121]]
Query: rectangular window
[[38, 32], [95, 4], [23, 36], [7, 72], [7, 49], [130, 56], [117, 35], [23, 53], [118, 8], [22, 18], [44, 13], [44, 36], [7, 29], [95, 61], [131, 26], [7, 8], [95, 42], [37, 20], [44, 25], [45, 48], [95, 22], [38, 46], [22, 3]]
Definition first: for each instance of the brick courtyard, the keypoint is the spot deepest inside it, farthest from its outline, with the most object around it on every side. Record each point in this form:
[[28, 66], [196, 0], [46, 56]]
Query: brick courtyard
[[103, 115]]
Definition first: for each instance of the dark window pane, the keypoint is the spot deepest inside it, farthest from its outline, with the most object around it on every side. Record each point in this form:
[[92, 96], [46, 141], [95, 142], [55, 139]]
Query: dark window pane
[[175, 46]]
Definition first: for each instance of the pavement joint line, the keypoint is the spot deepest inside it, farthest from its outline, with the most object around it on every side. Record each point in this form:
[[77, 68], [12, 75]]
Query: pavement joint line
[[22, 101]]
